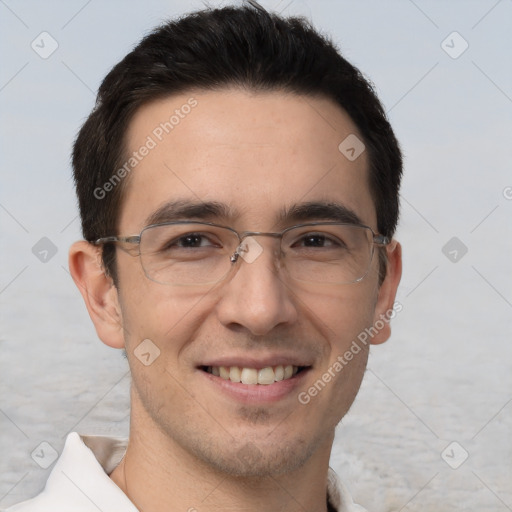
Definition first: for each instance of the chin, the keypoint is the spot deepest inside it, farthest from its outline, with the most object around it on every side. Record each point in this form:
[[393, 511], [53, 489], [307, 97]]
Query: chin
[[254, 460]]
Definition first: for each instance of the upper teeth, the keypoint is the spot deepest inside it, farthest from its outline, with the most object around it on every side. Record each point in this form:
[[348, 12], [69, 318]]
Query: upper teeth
[[267, 375]]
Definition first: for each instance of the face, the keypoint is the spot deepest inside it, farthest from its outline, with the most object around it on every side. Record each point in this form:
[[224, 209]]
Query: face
[[261, 156]]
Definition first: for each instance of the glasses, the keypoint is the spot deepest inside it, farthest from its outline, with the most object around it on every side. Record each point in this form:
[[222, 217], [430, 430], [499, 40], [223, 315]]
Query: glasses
[[199, 253]]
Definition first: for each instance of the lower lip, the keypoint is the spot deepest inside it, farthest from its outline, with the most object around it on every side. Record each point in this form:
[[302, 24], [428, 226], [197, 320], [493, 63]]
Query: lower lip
[[257, 393]]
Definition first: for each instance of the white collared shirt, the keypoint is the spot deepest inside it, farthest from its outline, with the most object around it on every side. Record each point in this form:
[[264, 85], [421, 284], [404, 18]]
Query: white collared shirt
[[79, 482]]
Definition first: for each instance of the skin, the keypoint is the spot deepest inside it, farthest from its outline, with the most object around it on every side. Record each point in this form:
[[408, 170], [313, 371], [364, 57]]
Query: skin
[[189, 443]]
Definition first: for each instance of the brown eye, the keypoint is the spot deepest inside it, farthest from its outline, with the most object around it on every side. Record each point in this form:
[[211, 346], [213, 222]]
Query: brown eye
[[192, 240], [318, 240]]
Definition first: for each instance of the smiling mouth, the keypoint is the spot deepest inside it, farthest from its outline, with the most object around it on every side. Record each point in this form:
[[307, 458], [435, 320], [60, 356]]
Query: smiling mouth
[[253, 376]]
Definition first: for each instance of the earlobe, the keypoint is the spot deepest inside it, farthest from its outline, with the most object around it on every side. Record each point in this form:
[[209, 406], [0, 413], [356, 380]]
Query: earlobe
[[98, 291], [386, 307]]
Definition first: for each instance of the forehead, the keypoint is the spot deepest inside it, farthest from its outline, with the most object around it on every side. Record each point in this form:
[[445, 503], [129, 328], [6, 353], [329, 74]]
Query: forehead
[[258, 154]]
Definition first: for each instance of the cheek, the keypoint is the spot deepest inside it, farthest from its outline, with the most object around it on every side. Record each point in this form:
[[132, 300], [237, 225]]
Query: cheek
[[341, 313], [168, 316], [343, 320], [159, 325]]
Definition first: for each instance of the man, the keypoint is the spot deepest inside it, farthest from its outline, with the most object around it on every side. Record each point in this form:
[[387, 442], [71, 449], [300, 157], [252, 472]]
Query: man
[[238, 188]]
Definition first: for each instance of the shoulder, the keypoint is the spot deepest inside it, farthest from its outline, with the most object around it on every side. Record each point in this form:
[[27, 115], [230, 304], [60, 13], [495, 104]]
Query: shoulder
[[79, 481]]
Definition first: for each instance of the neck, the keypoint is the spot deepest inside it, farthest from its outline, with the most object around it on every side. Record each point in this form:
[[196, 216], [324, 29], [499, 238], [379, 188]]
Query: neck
[[158, 475]]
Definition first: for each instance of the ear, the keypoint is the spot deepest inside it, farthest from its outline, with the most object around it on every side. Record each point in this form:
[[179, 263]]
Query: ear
[[385, 307], [99, 293]]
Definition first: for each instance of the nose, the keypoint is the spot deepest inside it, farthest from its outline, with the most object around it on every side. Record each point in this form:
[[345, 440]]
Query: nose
[[256, 297]]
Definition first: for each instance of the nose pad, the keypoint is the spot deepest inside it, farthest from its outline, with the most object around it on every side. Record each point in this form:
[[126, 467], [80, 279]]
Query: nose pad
[[249, 250]]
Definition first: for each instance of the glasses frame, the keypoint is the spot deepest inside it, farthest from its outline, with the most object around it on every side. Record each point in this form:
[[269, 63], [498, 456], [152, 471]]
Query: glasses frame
[[377, 239]]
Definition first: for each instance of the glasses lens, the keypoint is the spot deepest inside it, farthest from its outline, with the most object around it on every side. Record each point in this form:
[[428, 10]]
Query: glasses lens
[[199, 254], [186, 254], [328, 253]]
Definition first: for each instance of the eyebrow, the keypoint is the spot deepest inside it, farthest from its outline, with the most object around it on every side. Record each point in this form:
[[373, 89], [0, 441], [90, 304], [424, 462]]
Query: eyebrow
[[319, 210], [184, 209]]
